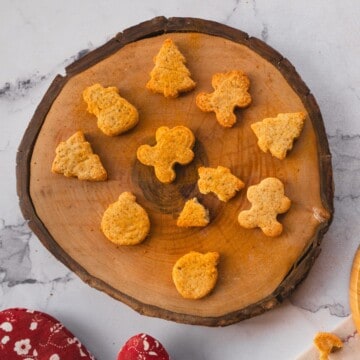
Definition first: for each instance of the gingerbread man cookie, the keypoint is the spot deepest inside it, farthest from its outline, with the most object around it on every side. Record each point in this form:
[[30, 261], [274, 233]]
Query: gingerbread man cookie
[[231, 91], [115, 115], [268, 200], [173, 146]]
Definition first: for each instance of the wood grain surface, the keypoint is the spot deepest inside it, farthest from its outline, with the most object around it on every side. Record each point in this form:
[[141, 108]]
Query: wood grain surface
[[255, 272]]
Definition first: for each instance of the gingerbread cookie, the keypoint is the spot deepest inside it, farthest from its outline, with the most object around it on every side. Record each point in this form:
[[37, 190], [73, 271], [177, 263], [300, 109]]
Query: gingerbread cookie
[[75, 158], [195, 274], [172, 146], [125, 222], [193, 214], [220, 181], [268, 200], [231, 91], [327, 343], [278, 134], [170, 76], [115, 115]]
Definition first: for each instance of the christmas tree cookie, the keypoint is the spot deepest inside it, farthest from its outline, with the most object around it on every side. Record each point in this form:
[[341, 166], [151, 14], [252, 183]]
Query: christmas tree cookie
[[74, 157], [170, 76], [278, 134]]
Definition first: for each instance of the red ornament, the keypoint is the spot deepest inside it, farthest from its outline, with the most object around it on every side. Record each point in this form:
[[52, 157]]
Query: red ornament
[[143, 347]]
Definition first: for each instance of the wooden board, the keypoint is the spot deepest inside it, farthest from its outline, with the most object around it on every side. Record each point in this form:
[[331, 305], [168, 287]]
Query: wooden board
[[354, 292], [255, 272]]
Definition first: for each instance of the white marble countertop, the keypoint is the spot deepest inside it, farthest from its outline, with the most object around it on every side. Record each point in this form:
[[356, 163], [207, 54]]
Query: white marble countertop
[[321, 38]]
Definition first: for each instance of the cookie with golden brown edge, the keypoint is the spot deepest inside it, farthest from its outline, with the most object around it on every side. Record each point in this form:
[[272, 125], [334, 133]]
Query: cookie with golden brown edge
[[170, 76], [327, 343], [230, 91], [75, 158], [172, 146], [195, 274], [115, 115], [219, 181], [125, 222], [193, 214], [277, 134], [268, 200]]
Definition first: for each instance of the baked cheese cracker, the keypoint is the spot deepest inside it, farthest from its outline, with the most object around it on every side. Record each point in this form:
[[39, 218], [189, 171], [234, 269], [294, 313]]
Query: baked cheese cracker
[[327, 343], [193, 214], [170, 76], [277, 134], [219, 181], [75, 158], [125, 222], [267, 201], [172, 146], [115, 115], [230, 91], [195, 274]]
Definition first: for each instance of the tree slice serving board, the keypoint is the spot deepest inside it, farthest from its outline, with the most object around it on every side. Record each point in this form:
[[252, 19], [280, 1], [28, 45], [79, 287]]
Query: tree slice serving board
[[255, 272]]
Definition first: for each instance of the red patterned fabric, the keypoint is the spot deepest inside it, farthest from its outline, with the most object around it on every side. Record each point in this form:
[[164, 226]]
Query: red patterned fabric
[[32, 335], [143, 347]]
